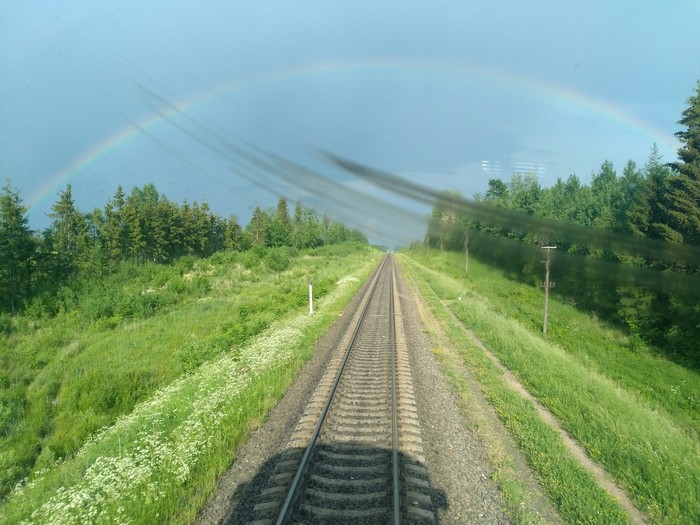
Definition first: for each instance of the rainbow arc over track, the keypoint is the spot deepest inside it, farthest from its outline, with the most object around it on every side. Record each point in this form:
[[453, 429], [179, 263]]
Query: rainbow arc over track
[[311, 70]]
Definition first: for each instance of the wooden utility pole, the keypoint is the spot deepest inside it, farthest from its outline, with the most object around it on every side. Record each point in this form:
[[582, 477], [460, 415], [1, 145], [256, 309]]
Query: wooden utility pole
[[547, 285]]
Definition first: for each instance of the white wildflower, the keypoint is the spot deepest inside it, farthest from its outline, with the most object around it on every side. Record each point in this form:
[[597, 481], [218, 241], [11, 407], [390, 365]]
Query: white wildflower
[[144, 467]]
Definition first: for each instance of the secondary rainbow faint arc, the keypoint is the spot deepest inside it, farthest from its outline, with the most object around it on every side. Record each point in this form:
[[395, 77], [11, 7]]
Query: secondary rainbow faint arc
[[540, 88]]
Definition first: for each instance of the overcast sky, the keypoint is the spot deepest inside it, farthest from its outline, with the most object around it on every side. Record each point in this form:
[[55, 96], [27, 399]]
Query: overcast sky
[[97, 94]]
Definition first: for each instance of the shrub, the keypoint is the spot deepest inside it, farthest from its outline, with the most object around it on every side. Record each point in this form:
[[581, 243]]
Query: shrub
[[222, 258], [96, 305], [200, 285], [194, 352], [177, 285], [185, 264], [5, 324], [41, 307], [322, 287], [253, 257], [277, 260]]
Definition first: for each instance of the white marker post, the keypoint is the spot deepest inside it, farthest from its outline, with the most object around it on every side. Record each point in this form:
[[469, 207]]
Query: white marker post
[[311, 297]]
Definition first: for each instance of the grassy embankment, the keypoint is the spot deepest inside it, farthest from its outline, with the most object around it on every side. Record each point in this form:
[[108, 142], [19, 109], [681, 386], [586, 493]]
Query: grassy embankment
[[634, 413], [125, 418]]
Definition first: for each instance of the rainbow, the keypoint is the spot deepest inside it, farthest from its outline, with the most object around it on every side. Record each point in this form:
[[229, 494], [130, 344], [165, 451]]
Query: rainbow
[[535, 87]]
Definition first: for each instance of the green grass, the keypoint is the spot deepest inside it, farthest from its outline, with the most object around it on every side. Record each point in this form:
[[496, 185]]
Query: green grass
[[520, 502], [647, 442], [573, 490], [662, 384], [153, 387]]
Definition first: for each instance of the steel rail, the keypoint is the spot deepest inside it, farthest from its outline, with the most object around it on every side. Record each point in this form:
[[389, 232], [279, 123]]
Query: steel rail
[[394, 412], [288, 505]]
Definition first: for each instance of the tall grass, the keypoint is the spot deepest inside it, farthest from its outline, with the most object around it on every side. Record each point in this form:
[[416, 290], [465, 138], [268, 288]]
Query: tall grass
[[662, 384], [654, 454], [207, 371]]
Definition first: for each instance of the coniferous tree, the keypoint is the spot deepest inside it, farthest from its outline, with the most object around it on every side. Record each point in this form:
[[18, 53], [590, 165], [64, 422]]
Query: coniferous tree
[[69, 234], [325, 226], [119, 198], [684, 198], [186, 220], [233, 236], [279, 227], [162, 239], [647, 214], [110, 234], [16, 249], [283, 214], [176, 228], [628, 185], [202, 222], [218, 233], [603, 190], [298, 211], [113, 234], [258, 227], [135, 230], [94, 259]]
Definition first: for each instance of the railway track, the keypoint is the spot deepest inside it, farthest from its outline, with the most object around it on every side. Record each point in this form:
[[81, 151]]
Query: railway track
[[356, 453]]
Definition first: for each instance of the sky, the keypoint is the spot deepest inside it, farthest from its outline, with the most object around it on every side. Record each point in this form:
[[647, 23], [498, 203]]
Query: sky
[[98, 94]]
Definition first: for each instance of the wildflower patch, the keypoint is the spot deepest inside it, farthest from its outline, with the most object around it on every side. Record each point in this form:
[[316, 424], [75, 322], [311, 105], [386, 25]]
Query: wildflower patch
[[145, 455]]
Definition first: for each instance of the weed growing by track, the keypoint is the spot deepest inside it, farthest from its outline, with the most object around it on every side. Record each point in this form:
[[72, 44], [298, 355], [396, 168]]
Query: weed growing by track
[[647, 451]]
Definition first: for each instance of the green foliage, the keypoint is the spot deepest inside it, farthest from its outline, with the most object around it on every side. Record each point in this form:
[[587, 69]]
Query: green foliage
[[105, 308], [526, 193], [684, 198], [70, 241], [254, 256], [16, 249], [636, 414], [109, 342], [647, 213], [195, 352], [69, 377], [277, 260], [258, 227], [5, 324], [625, 359], [57, 272], [654, 295], [497, 193]]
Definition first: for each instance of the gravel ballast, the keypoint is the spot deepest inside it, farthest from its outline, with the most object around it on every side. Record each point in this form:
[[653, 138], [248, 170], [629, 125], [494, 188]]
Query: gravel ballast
[[460, 473]]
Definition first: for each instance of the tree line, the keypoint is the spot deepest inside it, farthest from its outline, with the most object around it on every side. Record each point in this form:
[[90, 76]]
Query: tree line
[[630, 253], [143, 226]]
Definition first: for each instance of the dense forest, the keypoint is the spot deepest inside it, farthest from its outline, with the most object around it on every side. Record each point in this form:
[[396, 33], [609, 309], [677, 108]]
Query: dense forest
[[626, 245], [37, 270]]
